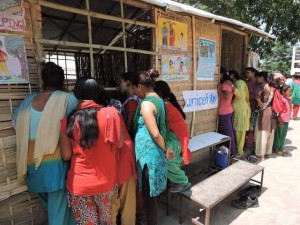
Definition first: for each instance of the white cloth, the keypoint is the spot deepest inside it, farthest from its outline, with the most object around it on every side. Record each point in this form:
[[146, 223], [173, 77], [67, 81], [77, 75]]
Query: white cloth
[[253, 60], [47, 133]]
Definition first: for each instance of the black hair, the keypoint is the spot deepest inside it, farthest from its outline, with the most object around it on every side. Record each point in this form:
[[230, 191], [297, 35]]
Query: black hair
[[225, 75], [235, 74], [163, 90], [287, 76], [128, 76], [284, 88], [146, 78], [252, 69], [271, 80], [263, 74], [223, 70], [86, 88], [52, 76]]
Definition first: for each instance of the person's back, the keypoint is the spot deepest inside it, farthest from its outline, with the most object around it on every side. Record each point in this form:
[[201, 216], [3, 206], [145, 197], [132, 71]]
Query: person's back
[[91, 137], [39, 158]]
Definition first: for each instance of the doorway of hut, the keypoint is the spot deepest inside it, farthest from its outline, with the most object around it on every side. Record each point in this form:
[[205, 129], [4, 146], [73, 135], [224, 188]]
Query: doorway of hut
[[233, 54], [85, 44], [233, 51]]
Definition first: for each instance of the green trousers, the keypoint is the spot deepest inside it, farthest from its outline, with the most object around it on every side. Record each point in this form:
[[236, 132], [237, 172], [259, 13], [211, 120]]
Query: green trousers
[[280, 135], [175, 173], [240, 137]]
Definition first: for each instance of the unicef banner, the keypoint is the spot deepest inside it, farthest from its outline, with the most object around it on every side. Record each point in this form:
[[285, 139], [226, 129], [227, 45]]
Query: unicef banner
[[200, 100]]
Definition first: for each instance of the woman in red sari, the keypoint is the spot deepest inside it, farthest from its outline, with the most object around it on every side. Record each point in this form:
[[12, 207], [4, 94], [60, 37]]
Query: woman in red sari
[[176, 123]]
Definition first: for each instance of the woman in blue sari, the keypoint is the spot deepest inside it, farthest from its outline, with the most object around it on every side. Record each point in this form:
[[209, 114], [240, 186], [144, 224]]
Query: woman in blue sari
[[39, 162]]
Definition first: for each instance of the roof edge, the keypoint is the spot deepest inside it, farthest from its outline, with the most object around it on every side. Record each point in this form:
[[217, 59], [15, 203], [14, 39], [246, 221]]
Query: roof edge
[[179, 7]]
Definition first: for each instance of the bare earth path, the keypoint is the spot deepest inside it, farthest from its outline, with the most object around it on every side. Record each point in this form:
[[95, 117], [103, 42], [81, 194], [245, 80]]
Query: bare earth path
[[280, 199]]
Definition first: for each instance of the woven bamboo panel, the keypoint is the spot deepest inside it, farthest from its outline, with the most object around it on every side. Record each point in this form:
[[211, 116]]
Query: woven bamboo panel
[[9, 184], [23, 208]]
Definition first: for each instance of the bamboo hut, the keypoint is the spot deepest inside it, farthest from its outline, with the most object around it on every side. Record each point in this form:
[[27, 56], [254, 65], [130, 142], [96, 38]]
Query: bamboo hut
[[105, 39]]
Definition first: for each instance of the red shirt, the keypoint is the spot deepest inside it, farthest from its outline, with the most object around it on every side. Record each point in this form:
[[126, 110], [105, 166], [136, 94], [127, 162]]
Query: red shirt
[[130, 109], [3, 56], [178, 126], [94, 171]]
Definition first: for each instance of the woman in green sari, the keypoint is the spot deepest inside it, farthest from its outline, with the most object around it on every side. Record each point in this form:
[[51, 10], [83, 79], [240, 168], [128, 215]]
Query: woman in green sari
[[151, 145]]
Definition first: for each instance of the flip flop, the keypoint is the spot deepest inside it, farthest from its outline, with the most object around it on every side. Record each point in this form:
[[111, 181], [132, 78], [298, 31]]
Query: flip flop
[[252, 159]]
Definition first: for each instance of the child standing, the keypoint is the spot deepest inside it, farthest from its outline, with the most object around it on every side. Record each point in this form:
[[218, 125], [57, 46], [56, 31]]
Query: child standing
[[284, 118]]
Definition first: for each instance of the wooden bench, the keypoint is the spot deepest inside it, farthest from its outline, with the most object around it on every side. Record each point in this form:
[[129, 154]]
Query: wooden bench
[[217, 187], [201, 142]]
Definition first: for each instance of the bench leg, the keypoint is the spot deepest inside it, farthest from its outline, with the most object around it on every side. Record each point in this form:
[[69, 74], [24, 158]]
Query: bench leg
[[207, 216], [262, 177], [181, 211]]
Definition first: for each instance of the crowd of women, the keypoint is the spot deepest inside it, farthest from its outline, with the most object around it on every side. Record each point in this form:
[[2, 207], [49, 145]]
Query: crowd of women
[[93, 160], [255, 113]]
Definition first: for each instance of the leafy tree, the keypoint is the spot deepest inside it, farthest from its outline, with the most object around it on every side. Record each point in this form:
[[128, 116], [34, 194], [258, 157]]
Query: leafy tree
[[278, 59], [277, 17]]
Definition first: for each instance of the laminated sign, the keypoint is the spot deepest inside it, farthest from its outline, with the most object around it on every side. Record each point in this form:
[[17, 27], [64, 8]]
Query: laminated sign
[[200, 100]]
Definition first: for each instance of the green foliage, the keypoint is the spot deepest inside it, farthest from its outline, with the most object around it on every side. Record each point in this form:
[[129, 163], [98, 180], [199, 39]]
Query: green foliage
[[277, 17], [278, 59]]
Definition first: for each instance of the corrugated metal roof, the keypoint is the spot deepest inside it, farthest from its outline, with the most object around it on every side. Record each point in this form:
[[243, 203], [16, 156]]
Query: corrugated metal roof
[[179, 7]]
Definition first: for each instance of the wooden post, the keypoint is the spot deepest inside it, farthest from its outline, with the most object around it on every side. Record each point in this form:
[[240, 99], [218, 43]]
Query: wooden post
[[90, 38], [36, 36], [194, 72], [220, 64], [124, 35], [155, 40], [94, 46]]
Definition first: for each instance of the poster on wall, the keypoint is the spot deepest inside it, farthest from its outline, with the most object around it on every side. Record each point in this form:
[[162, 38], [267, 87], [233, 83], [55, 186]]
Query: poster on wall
[[206, 59], [13, 60], [175, 68], [172, 34], [12, 15], [200, 100]]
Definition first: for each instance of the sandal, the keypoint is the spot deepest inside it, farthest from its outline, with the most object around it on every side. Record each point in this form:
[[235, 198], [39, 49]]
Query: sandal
[[179, 187], [246, 202], [251, 190], [252, 159]]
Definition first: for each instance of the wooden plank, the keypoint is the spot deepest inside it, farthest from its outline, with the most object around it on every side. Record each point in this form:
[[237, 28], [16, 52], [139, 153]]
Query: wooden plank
[[212, 190], [93, 14]]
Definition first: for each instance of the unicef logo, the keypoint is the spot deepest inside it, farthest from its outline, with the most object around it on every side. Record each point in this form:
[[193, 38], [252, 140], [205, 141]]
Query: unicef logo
[[212, 98]]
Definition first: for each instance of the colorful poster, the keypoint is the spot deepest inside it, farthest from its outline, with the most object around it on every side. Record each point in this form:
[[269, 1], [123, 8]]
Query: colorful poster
[[200, 100], [175, 68], [206, 59], [172, 34], [13, 60], [12, 15]]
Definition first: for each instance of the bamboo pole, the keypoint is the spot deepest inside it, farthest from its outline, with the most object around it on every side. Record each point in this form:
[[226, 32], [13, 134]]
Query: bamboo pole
[[194, 71], [91, 13], [155, 39], [220, 64], [38, 46], [232, 30], [87, 2], [124, 35], [94, 46]]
